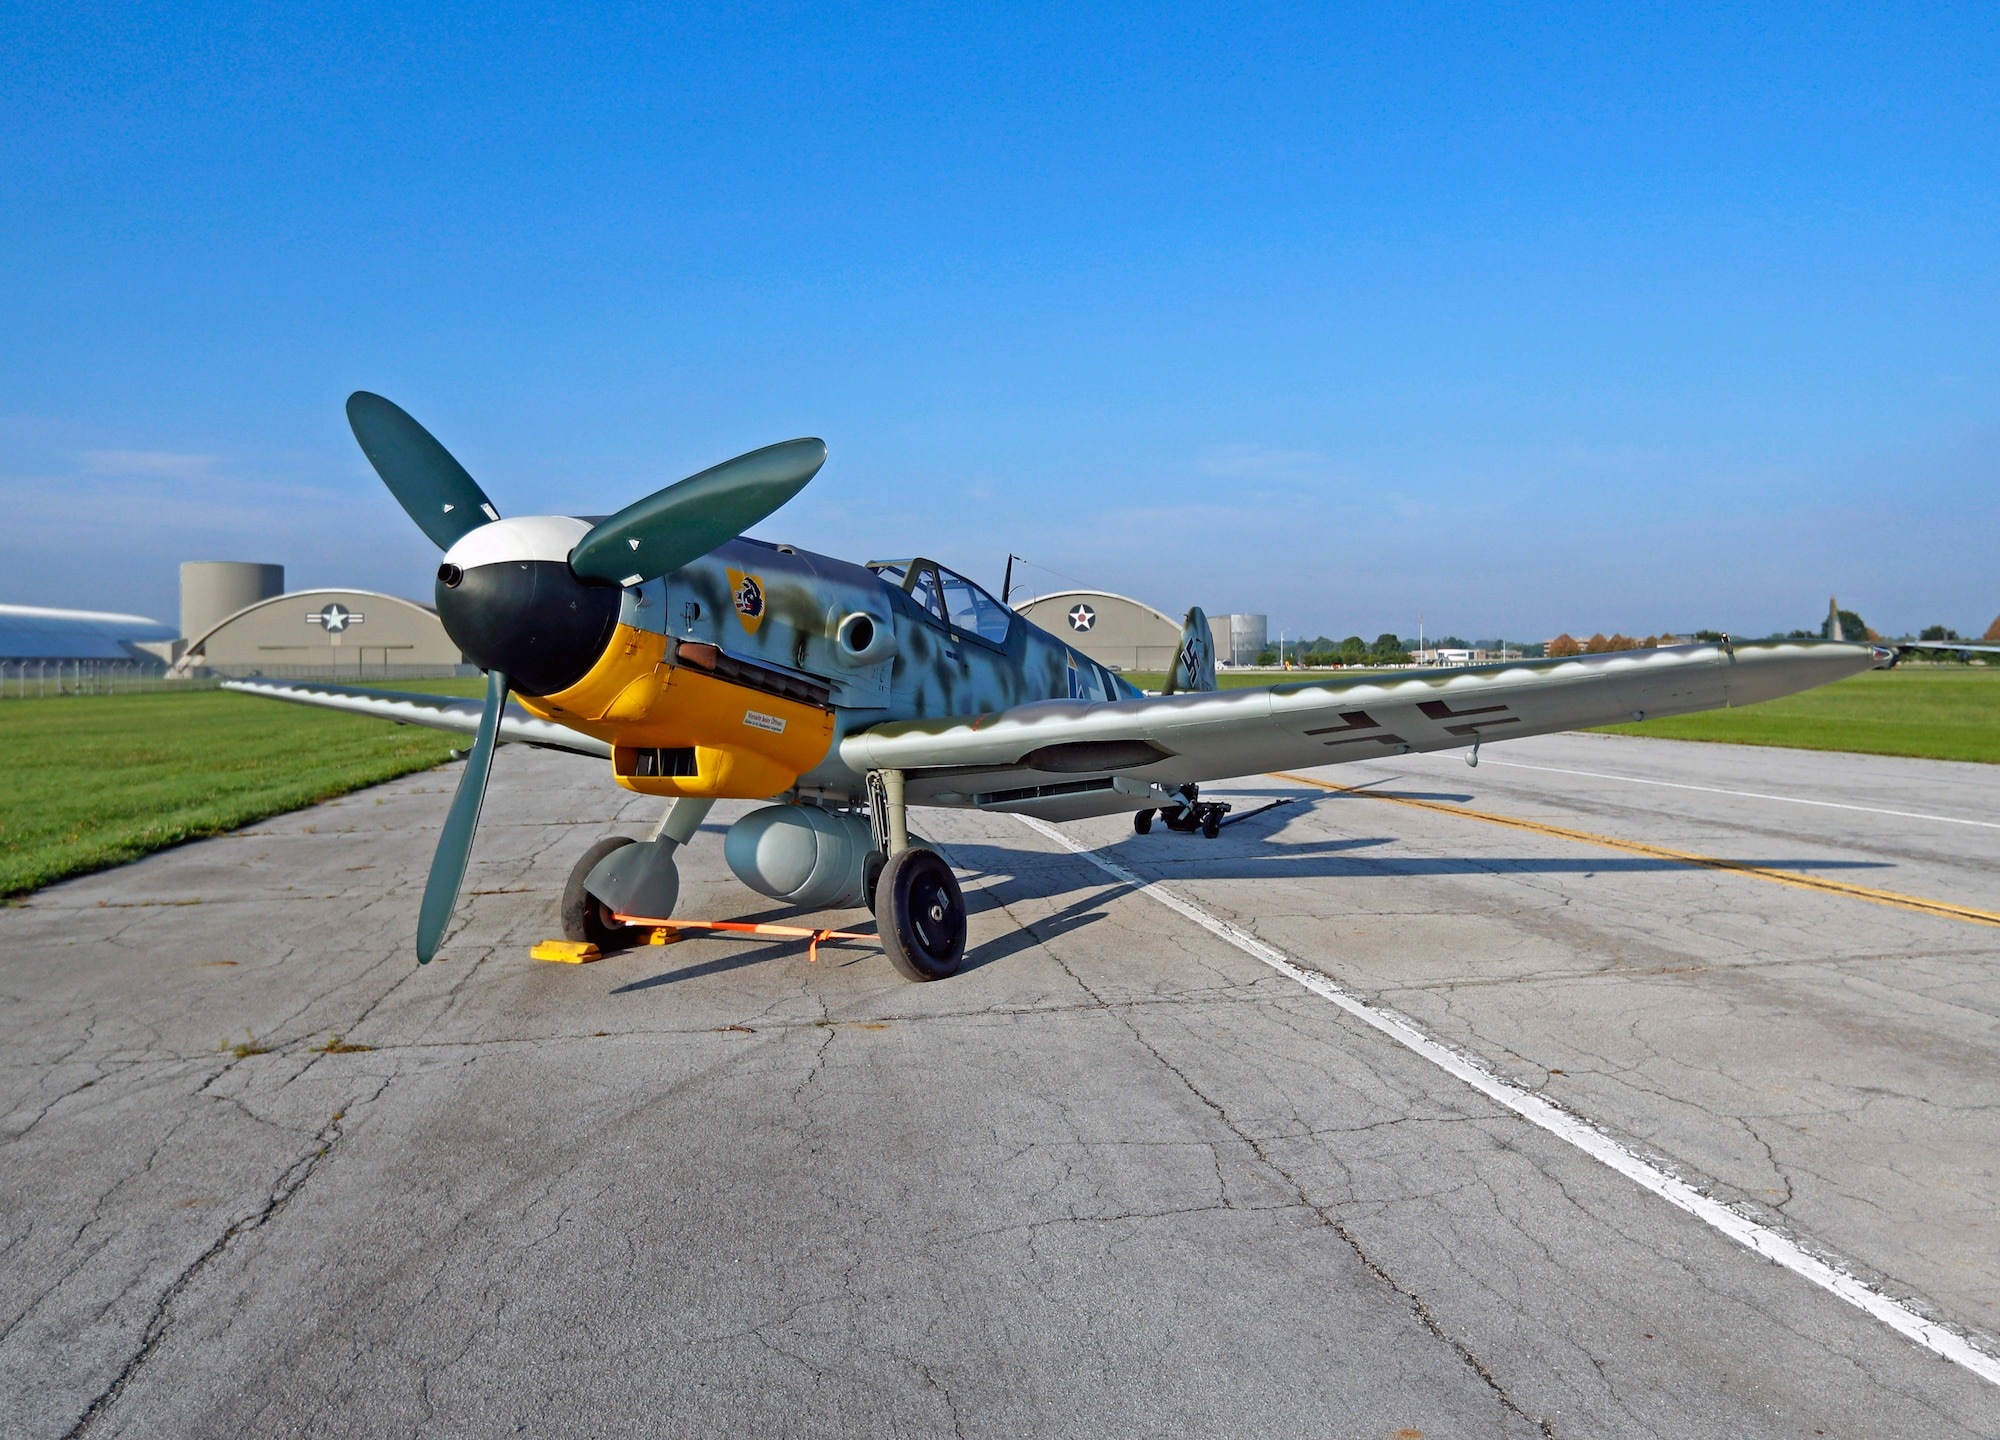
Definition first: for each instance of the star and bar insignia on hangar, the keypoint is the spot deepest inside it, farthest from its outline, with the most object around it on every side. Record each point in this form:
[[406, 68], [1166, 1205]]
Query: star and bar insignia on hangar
[[334, 617]]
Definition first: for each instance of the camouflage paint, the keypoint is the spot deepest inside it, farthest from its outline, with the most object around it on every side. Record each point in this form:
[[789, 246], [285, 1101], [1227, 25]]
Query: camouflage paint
[[936, 670]]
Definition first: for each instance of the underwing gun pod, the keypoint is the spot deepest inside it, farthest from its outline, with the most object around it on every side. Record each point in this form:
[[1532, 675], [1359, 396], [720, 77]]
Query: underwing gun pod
[[706, 665]]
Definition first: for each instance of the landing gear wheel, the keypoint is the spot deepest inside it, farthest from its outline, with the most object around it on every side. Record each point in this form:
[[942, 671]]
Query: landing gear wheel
[[1142, 823], [871, 876], [584, 917], [1211, 823], [920, 913]]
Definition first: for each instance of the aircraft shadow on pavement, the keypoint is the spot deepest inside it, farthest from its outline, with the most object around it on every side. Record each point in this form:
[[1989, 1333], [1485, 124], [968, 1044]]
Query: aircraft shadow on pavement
[[1087, 910], [1232, 857], [1083, 911], [734, 959], [1165, 855], [741, 953]]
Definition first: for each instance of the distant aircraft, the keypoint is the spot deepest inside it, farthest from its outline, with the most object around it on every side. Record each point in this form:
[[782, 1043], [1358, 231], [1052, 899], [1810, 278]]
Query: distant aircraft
[[709, 666], [1834, 627]]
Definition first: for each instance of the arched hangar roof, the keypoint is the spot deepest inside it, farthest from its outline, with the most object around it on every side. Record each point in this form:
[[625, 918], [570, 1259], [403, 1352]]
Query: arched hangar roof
[[292, 597], [1160, 615], [38, 632], [1117, 631]]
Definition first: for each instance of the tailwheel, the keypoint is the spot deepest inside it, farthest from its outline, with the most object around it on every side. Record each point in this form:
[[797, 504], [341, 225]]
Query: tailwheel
[[584, 916], [920, 913]]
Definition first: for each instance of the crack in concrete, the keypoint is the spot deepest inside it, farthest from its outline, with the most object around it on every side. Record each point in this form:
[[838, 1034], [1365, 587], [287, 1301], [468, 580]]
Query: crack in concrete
[[1415, 1303], [290, 1181]]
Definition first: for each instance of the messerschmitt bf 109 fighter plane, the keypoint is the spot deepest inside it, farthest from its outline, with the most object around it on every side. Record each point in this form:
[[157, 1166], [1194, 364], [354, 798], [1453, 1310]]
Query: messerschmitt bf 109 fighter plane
[[709, 666]]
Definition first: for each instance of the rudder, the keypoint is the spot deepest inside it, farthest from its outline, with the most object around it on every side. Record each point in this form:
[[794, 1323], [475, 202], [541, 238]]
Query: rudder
[[1194, 660]]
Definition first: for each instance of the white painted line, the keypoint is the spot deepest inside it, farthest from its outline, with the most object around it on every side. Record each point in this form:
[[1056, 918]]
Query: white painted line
[[1746, 794], [1565, 1126]]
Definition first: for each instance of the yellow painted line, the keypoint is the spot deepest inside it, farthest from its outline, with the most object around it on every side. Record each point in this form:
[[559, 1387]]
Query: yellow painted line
[[1916, 903]]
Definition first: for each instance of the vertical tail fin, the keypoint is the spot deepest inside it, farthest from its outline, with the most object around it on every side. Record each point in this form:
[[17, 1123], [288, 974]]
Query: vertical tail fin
[[1194, 661], [1833, 621]]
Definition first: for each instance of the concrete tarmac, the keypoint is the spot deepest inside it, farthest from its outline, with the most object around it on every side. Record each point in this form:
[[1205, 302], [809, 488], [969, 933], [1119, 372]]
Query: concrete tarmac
[[1117, 1178]]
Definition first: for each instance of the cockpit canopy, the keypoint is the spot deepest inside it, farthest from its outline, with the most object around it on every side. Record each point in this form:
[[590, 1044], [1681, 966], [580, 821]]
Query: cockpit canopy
[[948, 597]]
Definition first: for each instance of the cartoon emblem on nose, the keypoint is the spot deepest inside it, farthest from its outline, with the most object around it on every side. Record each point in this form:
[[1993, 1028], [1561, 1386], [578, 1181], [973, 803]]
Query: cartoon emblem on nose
[[748, 593]]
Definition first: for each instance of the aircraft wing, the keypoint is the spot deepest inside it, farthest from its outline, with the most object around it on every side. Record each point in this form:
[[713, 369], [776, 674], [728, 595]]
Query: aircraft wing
[[1066, 759], [1974, 647], [436, 712]]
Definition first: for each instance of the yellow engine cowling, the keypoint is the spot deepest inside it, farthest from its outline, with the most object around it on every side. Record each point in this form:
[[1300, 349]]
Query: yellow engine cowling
[[747, 744]]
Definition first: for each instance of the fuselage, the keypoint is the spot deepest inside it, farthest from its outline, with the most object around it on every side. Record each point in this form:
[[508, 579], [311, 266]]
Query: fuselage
[[737, 676], [762, 671]]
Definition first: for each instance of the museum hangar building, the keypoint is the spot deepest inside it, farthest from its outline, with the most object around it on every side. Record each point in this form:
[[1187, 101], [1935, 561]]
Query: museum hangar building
[[1126, 634]]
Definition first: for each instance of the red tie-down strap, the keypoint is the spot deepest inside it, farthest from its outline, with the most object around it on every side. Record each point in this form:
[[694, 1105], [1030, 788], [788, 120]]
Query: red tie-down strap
[[740, 927]]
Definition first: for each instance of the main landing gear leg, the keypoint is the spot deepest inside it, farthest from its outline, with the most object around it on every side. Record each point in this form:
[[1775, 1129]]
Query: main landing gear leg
[[681, 820], [621, 876], [919, 909]]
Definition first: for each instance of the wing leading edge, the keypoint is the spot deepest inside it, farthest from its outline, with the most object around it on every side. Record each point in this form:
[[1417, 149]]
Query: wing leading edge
[[436, 712], [1064, 759]]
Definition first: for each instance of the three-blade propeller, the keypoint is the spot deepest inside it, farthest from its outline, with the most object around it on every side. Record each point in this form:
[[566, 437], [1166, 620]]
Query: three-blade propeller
[[454, 847], [658, 535], [427, 482], [654, 537]]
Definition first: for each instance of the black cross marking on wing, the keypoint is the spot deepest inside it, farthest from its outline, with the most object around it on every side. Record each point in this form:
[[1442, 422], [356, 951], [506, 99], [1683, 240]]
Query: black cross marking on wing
[[1439, 710], [1356, 720]]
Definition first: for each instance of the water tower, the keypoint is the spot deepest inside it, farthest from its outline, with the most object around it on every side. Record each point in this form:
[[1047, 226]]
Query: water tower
[[213, 590]]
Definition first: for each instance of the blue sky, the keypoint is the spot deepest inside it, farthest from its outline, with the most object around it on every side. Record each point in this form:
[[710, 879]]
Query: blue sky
[[1525, 319]]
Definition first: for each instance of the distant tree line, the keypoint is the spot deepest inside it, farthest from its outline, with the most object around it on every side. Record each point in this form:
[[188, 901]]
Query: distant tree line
[[1602, 644], [1320, 650], [1384, 650], [1393, 650], [1852, 627]]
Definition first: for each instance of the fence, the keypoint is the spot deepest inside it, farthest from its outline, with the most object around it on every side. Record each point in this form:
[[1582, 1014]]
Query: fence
[[36, 679], [340, 674], [43, 679]]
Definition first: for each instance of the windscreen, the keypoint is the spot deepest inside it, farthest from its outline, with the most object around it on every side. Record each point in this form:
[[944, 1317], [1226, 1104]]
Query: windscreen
[[973, 610]]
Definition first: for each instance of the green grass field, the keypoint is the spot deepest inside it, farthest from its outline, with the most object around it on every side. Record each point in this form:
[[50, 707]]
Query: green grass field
[[1226, 681], [95, 781], [1947, 713]]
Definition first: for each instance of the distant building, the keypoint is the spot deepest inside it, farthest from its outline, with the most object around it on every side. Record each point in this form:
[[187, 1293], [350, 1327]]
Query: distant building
[[1248, 637], [1116, 631], [237, 619], [213, 590], [322, 633], [35, 633], [1451, 655]]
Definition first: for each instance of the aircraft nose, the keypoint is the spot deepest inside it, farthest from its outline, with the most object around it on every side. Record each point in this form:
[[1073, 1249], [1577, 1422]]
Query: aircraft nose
[[532, 620]]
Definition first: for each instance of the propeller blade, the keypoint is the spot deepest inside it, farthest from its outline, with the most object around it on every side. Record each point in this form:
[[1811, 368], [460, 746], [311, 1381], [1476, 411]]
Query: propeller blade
[[685, 521], [431, 486], [454, 845]]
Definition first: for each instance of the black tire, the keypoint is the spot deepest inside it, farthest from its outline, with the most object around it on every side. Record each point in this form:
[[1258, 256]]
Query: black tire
[[583, 915], [871, 877], [1142, 823], [920, 912], [1211, 825]]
